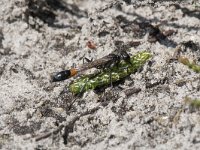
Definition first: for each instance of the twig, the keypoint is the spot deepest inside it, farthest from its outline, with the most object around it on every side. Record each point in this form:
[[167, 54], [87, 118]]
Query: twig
[[69, 124]]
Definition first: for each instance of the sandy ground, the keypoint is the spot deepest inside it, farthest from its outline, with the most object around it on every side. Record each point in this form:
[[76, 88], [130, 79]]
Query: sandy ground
[[40, 37]]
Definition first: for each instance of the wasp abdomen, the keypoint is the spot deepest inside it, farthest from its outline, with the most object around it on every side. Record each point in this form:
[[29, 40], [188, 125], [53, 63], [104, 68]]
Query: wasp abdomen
[[60, 76]]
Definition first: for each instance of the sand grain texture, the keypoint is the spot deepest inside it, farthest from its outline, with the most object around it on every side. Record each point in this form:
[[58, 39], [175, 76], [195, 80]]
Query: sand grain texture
[[148, 110]]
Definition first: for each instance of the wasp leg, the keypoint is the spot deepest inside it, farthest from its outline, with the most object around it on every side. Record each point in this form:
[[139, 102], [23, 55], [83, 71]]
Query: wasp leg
[[110, 73], [123, 68], [87, 60], [73, 65], [82, 89], [126, 57], [89, 76]]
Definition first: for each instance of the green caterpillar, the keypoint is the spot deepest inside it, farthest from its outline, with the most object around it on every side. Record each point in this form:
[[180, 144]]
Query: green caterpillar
[[116, 73], [191, 65]]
